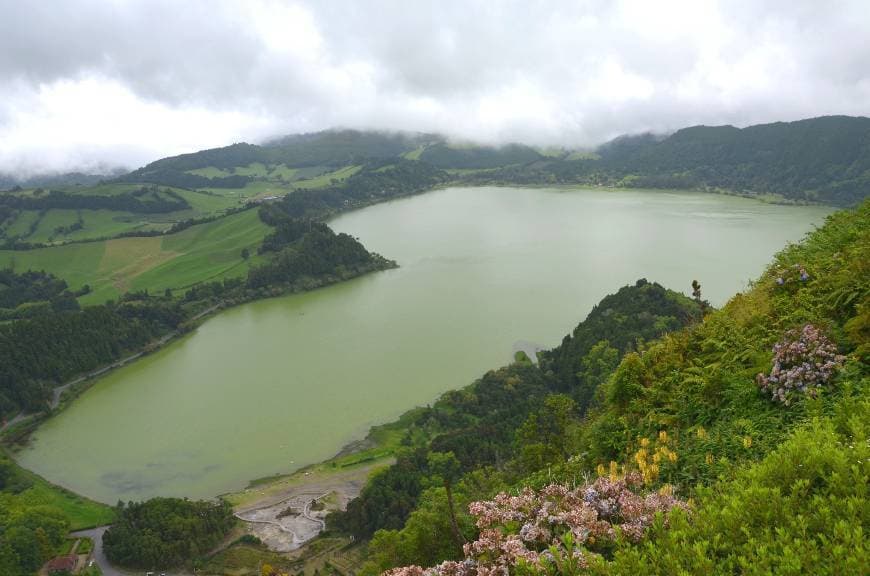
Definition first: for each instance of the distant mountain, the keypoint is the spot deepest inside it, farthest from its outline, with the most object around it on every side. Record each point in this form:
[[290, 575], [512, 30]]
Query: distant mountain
[[8, 181], [824, 159], [330, 148], [446, 156]]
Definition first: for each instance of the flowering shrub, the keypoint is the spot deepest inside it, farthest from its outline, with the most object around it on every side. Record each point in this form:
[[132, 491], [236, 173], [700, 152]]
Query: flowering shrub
[[790, 276], [649, 458], [553, 528], [802, 362]]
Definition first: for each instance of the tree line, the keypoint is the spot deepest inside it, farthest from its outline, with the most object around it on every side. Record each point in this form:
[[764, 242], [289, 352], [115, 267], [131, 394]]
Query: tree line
[[375, 182], [144, 201], [817, 160], [165, 532], [46, 350]]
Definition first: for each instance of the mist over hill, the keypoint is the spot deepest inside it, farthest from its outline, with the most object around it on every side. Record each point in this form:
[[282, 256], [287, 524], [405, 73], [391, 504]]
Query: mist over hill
[[825, 159]]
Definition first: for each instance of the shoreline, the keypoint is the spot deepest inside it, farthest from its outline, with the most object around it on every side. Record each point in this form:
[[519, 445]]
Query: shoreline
[[16, 432], [354, 447]]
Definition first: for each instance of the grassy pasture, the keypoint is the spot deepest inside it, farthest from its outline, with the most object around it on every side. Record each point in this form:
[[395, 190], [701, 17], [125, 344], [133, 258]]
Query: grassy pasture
[[210, 172], [415, 153], [254, 170], [109, 223], [283, 171], [326, 178], [20, 224], [50, 221], [177, 261]]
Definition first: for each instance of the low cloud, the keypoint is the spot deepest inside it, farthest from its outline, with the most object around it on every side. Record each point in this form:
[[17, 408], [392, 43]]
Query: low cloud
[[88, 83]]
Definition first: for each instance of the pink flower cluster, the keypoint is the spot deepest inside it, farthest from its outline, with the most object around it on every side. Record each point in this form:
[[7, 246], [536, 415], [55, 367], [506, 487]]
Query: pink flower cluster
[[536, 529], [802, 362]]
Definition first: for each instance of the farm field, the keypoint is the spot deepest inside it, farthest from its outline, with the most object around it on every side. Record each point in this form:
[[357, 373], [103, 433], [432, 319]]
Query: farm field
[[58, 225], [177, 261]]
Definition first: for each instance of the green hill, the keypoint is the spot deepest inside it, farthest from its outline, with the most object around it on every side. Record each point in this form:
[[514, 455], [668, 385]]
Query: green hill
[[738, 444], [825, 159], [477, 157]]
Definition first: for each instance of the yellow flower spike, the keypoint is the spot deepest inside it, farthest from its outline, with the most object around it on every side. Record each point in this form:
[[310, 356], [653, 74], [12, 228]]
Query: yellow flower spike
[[709, 458], [657, 457], [614, 470], [600, 469], [644, 442], [672, 456], [702, 434], [666, 490], [663, 436], [691, 502], [747, 441]]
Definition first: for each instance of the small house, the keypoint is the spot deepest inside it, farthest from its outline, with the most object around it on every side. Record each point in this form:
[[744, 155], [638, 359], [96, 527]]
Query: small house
[[62, 564]]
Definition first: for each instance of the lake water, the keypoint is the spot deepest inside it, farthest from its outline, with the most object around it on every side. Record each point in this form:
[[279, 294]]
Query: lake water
[[271, 386]]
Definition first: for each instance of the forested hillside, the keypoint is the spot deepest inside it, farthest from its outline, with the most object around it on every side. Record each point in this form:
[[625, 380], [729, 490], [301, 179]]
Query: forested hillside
[[738, 444], [53, 340], [515, 418], [824, 159], [333, 148]]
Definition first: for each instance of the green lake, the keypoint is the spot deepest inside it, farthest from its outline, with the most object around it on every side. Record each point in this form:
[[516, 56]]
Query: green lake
[[271, 386]]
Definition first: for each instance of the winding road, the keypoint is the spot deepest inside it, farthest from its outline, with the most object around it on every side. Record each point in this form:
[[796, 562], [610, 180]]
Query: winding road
[[58, 391]]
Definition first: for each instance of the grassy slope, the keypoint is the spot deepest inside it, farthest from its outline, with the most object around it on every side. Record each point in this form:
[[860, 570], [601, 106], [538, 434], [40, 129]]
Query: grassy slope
[[109, 223], [81, 512], [199, 253]]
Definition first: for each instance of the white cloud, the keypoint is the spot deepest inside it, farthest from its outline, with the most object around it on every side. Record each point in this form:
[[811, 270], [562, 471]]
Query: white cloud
[[72, 124], [125, 81]]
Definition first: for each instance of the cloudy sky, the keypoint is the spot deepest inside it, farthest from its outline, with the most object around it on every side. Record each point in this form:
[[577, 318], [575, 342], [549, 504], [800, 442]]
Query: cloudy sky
[[86, 83]]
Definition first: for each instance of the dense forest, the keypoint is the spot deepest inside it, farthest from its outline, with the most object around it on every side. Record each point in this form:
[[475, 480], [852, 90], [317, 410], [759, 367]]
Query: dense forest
[[824, 159], [480, 157], [318, 252], [47, 349], [179, 179], [165, 532], [375, 182], [737, 444], [144, 200], [31, 293]]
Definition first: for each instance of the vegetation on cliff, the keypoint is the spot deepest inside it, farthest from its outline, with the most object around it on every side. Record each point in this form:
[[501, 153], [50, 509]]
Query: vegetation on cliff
[[752, 425]]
